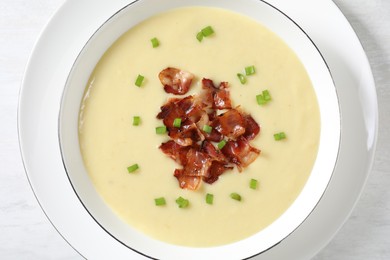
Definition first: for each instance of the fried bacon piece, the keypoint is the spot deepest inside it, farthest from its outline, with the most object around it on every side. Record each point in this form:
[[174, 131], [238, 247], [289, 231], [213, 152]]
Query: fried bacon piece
[[209, 149], [240, 152], [187, 134], [218, 165], [188, 107], [214, 135], [169, 112], [176, 81], [251, 128], [175, 151], [197, 165], [216, 97], [191, 143], [200, 163], [189, 111], [230, 124], [216, 169], [187, 182], [191, 107], [206, 163]]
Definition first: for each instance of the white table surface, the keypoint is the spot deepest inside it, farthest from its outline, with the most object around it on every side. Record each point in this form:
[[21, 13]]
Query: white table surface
[[26, 233]]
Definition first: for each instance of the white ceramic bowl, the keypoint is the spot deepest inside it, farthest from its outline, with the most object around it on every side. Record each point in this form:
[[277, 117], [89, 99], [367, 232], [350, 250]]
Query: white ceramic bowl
[[322, 171]]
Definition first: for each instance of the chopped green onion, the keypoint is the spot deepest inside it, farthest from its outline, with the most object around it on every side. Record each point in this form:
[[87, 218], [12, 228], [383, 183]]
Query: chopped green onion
[[207, 31], [132, 168], [242, 78], [250, 70], [177, 122], [235, 196], [199, 36], [209, 198], [182, 202], [139, 80], [160, 201], [161, 130], [155, 42], [266, 95], [253, 184], [221, 144], [279, 136], [207, 129], [261, 100], [136, 120]]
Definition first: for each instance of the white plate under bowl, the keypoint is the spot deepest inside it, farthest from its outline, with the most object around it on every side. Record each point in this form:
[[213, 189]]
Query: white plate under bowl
[[49, 68], [314, 188]]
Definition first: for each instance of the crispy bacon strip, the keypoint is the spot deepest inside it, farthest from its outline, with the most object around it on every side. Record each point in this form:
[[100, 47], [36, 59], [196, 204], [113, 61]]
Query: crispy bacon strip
[[175, 151], [198, 163], [230, 124], [191, 107], [216, 97], [188, 110], [222, 97], [252, 129], [216, 169], [169, 112], [197, 166], [176, 81], [240, 152], [188, 134], [188, 107], [209, 149], [218, 165], [214, 136], [187, 182]]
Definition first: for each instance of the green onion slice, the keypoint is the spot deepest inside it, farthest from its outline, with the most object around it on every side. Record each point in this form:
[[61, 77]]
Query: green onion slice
[[182, 202], [253, 184], [161, 130], [242, 78], [266, 95], [160, 201], [139, 80], [207, 129], [136, 120], [177, 122], [250, 70], [199, 36], [280, 136], [221, 144], [261, 100], [132, 168], [155, 42], [209, 198], [207, 31], [235, 196]]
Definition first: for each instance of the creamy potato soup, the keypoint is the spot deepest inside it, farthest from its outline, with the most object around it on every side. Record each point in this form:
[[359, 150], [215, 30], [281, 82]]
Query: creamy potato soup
[[110, 143]]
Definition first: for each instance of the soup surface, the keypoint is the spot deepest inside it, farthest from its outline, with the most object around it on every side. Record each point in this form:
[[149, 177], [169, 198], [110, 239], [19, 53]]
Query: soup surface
[[109, 141]]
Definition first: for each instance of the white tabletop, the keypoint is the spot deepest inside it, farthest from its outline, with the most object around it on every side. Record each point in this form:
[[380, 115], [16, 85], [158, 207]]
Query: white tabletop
[[26, 233]]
